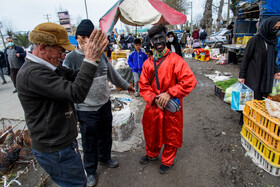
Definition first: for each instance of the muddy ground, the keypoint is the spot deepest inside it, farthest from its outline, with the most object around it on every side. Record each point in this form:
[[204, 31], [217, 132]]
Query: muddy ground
[[211, 154]]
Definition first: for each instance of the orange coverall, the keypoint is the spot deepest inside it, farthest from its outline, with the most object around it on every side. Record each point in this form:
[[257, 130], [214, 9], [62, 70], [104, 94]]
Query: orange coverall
[[161, 126]]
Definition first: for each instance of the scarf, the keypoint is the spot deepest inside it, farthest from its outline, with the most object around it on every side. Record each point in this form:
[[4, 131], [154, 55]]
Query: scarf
[[159, 55], [271, 39]]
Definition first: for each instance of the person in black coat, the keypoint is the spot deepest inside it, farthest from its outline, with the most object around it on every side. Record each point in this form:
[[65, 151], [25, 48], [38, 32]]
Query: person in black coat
[[2, 65], [173, 44], [258, 67], [203, 36]]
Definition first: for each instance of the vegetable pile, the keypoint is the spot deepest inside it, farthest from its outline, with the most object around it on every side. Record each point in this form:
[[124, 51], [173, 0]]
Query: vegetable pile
[[225, 84]]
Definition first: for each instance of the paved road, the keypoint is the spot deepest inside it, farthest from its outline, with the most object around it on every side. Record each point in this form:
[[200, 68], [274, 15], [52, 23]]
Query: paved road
[[10, 106]]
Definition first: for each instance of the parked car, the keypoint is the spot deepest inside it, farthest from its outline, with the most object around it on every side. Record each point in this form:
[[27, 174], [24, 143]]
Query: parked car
[[217, 39]]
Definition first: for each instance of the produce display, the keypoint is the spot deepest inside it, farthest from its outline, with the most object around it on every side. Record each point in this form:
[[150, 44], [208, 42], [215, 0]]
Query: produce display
[[226, 84], [276, 88]]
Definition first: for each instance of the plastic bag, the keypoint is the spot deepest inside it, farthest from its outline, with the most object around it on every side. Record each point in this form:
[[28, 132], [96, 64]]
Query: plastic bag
[[240, 95], [276, 88], [222, 61], [273, 108], [228, 92]]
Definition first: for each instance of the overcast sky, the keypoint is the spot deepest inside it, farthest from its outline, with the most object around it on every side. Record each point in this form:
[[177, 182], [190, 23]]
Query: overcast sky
[[24, 15]]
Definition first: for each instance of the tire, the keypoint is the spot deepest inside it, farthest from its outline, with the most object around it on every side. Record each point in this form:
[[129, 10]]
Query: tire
[[218, 45]]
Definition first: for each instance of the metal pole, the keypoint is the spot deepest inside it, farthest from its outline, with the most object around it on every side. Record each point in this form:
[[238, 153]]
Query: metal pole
[[86, 8], [2, 38], [191, 15]]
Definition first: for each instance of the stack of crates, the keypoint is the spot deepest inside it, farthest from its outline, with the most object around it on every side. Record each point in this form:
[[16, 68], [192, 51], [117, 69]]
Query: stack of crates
[[260, 136]]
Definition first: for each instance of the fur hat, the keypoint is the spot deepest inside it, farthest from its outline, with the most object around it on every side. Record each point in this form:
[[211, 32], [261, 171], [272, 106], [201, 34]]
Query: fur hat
[[85, 28], [51, 34]]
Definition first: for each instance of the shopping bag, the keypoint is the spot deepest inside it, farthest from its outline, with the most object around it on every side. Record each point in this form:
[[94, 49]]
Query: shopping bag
[[240, 95], [276, 88], [228, 93]]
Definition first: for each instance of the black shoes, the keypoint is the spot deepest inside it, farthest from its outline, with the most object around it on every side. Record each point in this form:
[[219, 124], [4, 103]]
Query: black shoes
[[145, 159], [91, 180], [15, 91], [163, 169], [4, 82], [110, 163]]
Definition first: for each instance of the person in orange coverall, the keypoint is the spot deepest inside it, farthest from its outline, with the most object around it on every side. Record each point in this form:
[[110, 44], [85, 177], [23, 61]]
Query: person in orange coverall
[[175, 80]]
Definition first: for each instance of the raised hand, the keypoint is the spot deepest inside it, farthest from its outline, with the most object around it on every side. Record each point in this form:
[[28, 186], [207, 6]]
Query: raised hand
[[95, 45]]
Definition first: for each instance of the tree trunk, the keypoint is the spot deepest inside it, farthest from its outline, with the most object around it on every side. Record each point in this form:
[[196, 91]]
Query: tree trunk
[[207, 17], [220, 15]]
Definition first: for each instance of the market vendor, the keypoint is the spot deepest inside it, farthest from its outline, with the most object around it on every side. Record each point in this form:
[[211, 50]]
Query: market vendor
[[258, 67], [162, 127]]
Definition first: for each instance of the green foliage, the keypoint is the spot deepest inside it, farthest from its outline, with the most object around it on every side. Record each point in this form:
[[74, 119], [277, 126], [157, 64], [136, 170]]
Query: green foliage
[[225, 84], [233, 6], [22, 39], [179, 5]]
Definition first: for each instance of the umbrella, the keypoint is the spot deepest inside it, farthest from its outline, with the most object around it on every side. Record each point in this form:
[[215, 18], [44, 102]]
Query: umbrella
[[139, 13]]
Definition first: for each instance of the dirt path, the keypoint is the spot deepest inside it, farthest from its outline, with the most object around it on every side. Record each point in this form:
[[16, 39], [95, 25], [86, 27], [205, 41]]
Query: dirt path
[[211, 155]]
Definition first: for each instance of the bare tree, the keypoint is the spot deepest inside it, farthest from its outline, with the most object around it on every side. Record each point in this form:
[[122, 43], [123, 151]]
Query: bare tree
[[9, 26], [220, 11], [206, 21], [78, 19], [179, 5]]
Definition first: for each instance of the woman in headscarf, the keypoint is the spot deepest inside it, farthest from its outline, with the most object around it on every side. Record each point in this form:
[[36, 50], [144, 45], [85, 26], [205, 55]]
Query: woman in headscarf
[[258, 67], [173, 43]]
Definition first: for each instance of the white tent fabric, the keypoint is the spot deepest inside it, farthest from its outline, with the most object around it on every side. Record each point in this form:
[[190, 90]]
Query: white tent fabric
[[139, 12]]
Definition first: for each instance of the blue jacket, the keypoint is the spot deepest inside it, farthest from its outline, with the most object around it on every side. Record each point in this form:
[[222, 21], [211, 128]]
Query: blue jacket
[[136, 60], [22, 54]]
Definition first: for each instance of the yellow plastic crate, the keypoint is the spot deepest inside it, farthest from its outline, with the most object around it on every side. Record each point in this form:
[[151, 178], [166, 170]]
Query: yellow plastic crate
[[258, 158], [270, 155], [259, 122], [246, 39], [115, 56]]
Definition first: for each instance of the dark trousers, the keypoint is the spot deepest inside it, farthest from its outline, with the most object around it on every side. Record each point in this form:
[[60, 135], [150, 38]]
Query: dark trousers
[[2, 75], [13, 74], [96, 131], [232, 57], [64, 166]]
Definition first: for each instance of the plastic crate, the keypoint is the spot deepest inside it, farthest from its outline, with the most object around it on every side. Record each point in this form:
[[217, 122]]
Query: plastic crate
[[258, 159], [259, 122], [269, 154], [217, 91], [115, 56]]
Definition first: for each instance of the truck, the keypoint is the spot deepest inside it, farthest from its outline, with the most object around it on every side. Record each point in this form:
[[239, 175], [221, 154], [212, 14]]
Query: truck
[[250, 14]]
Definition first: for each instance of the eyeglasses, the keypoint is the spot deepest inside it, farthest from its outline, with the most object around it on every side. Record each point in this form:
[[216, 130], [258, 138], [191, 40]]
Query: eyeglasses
[[64, 53]]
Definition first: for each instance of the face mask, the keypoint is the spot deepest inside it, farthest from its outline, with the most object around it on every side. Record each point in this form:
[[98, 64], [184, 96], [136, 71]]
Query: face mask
[[170, 39], [11, 44], [80, 48]]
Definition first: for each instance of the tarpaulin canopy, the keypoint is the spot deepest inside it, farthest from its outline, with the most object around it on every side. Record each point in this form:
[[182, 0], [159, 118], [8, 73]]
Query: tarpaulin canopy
[[139, 13], [267, 7]]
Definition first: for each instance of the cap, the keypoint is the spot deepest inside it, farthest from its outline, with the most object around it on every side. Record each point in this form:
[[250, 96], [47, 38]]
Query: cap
[[51, 34], [85, 28]]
